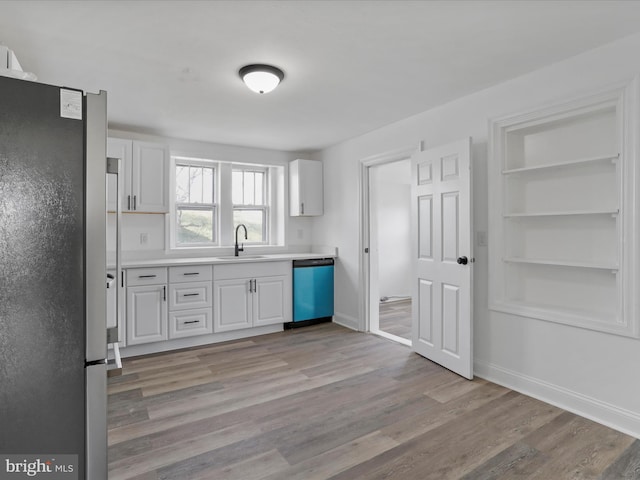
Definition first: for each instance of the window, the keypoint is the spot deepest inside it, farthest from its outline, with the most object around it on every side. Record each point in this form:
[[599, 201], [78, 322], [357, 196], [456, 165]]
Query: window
[[250, 206], [196, 210], [212, 197]]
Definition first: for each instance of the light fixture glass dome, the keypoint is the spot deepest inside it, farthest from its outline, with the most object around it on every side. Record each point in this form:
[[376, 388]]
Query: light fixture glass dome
[[261, 78]]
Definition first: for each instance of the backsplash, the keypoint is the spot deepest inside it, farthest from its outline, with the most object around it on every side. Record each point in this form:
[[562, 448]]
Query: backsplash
[[140, 232], [146, 232]]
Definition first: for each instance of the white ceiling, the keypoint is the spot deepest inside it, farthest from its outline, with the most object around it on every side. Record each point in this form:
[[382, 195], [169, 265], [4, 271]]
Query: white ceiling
[[170, 67]]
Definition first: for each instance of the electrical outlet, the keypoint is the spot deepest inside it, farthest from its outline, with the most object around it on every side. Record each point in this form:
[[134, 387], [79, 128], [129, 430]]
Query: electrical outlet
[[144, 238], [300, 234]]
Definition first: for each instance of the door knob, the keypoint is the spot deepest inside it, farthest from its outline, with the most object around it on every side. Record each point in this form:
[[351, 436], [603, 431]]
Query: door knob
[[462, 260]]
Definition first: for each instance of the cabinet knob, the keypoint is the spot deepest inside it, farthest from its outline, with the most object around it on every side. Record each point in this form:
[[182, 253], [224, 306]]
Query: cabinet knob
[[462, 260]]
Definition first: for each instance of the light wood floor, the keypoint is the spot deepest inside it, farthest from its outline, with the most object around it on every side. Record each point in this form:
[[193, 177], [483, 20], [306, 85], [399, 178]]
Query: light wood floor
[[395, 318], [324, 402]]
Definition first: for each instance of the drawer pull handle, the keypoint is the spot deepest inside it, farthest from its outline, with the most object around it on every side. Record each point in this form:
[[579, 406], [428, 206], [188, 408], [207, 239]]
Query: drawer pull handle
[[191, 321], [146, 276], [190, 294], [191, 273]]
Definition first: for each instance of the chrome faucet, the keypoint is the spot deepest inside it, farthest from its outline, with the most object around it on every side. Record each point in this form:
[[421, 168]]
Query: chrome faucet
[[240, 248]]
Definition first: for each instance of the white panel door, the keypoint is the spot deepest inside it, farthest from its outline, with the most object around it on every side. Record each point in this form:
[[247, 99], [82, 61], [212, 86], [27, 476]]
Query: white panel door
[[442, 230]]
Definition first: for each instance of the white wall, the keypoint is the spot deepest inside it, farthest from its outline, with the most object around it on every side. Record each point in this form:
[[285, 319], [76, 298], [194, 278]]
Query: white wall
[[585, 371], [390, 198], [298, 230]]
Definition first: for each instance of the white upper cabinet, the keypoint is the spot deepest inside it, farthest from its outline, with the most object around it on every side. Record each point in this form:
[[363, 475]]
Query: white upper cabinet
[[563, 215], [145, 176], [305, 188]]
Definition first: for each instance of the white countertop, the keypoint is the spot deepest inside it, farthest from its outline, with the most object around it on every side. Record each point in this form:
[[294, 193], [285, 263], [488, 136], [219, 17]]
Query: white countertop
[[221, 260], [170, 259]]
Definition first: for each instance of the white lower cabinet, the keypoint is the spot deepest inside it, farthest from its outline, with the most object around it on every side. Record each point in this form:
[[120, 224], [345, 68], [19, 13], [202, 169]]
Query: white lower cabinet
[[146, 305], [146, 314], [186, 301], [190, 311], [251, 295]]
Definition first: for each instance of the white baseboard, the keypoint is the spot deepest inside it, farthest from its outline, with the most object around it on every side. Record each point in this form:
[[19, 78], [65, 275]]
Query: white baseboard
[[346, 321], [197, 341], [620, 419]]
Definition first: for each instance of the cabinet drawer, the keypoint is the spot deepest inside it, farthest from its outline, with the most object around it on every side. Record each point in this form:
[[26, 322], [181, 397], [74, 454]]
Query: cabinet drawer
[[146, 276], [189, 295], [189, 323], [190, 273]]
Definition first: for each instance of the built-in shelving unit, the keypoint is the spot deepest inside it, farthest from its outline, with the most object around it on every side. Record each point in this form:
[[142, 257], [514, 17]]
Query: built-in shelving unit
[[561, 213]]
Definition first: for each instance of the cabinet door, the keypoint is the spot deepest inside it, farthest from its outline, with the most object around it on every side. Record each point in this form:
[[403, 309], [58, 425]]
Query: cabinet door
[[270, 304], [305, 188], [149, 177], [146, 314], [232, 305], [122, 149]]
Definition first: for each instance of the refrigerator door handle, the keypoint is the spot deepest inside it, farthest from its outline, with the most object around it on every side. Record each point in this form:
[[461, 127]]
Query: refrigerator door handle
[[113, 168]]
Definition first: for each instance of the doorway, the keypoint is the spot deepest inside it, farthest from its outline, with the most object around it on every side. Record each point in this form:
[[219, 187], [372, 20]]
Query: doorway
[[389, 207]]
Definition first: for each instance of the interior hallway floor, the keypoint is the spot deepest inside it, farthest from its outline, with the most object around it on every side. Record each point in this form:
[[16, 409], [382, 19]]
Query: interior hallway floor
[[325, 402], [395, 317]]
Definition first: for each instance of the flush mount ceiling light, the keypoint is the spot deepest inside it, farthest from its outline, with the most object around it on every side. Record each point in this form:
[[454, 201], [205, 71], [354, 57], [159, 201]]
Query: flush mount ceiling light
[[261, 78]]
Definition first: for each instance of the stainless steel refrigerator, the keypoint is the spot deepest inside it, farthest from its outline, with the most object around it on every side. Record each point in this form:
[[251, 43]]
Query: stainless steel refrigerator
[[52, 282]]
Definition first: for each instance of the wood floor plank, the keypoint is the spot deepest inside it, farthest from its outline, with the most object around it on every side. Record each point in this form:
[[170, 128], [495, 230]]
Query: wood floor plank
[[591, 446], [515, 462], [456, 447], [324, 402], [321, 467], [409, 428], [453, 390], [152, 460], [626, 466], [256, 467]]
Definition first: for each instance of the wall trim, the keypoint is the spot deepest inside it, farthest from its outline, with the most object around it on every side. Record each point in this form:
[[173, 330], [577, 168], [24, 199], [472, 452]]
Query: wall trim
[[623, 420], [346, 321]]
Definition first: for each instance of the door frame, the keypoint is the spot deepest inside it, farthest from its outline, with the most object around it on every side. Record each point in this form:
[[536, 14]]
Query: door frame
[[365, 300]]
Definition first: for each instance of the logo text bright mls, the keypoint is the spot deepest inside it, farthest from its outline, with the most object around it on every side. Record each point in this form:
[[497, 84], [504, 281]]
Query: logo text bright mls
[[36, 466]]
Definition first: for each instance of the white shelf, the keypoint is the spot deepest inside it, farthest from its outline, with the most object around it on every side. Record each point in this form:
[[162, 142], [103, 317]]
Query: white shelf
[[562, 214], [561, 232], [552, 166], [602, 321], [563, 263]]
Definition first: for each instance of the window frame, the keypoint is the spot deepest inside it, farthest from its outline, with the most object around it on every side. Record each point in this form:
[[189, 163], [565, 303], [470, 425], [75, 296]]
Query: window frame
[[213, 207], [275, 196], [264, 207]]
